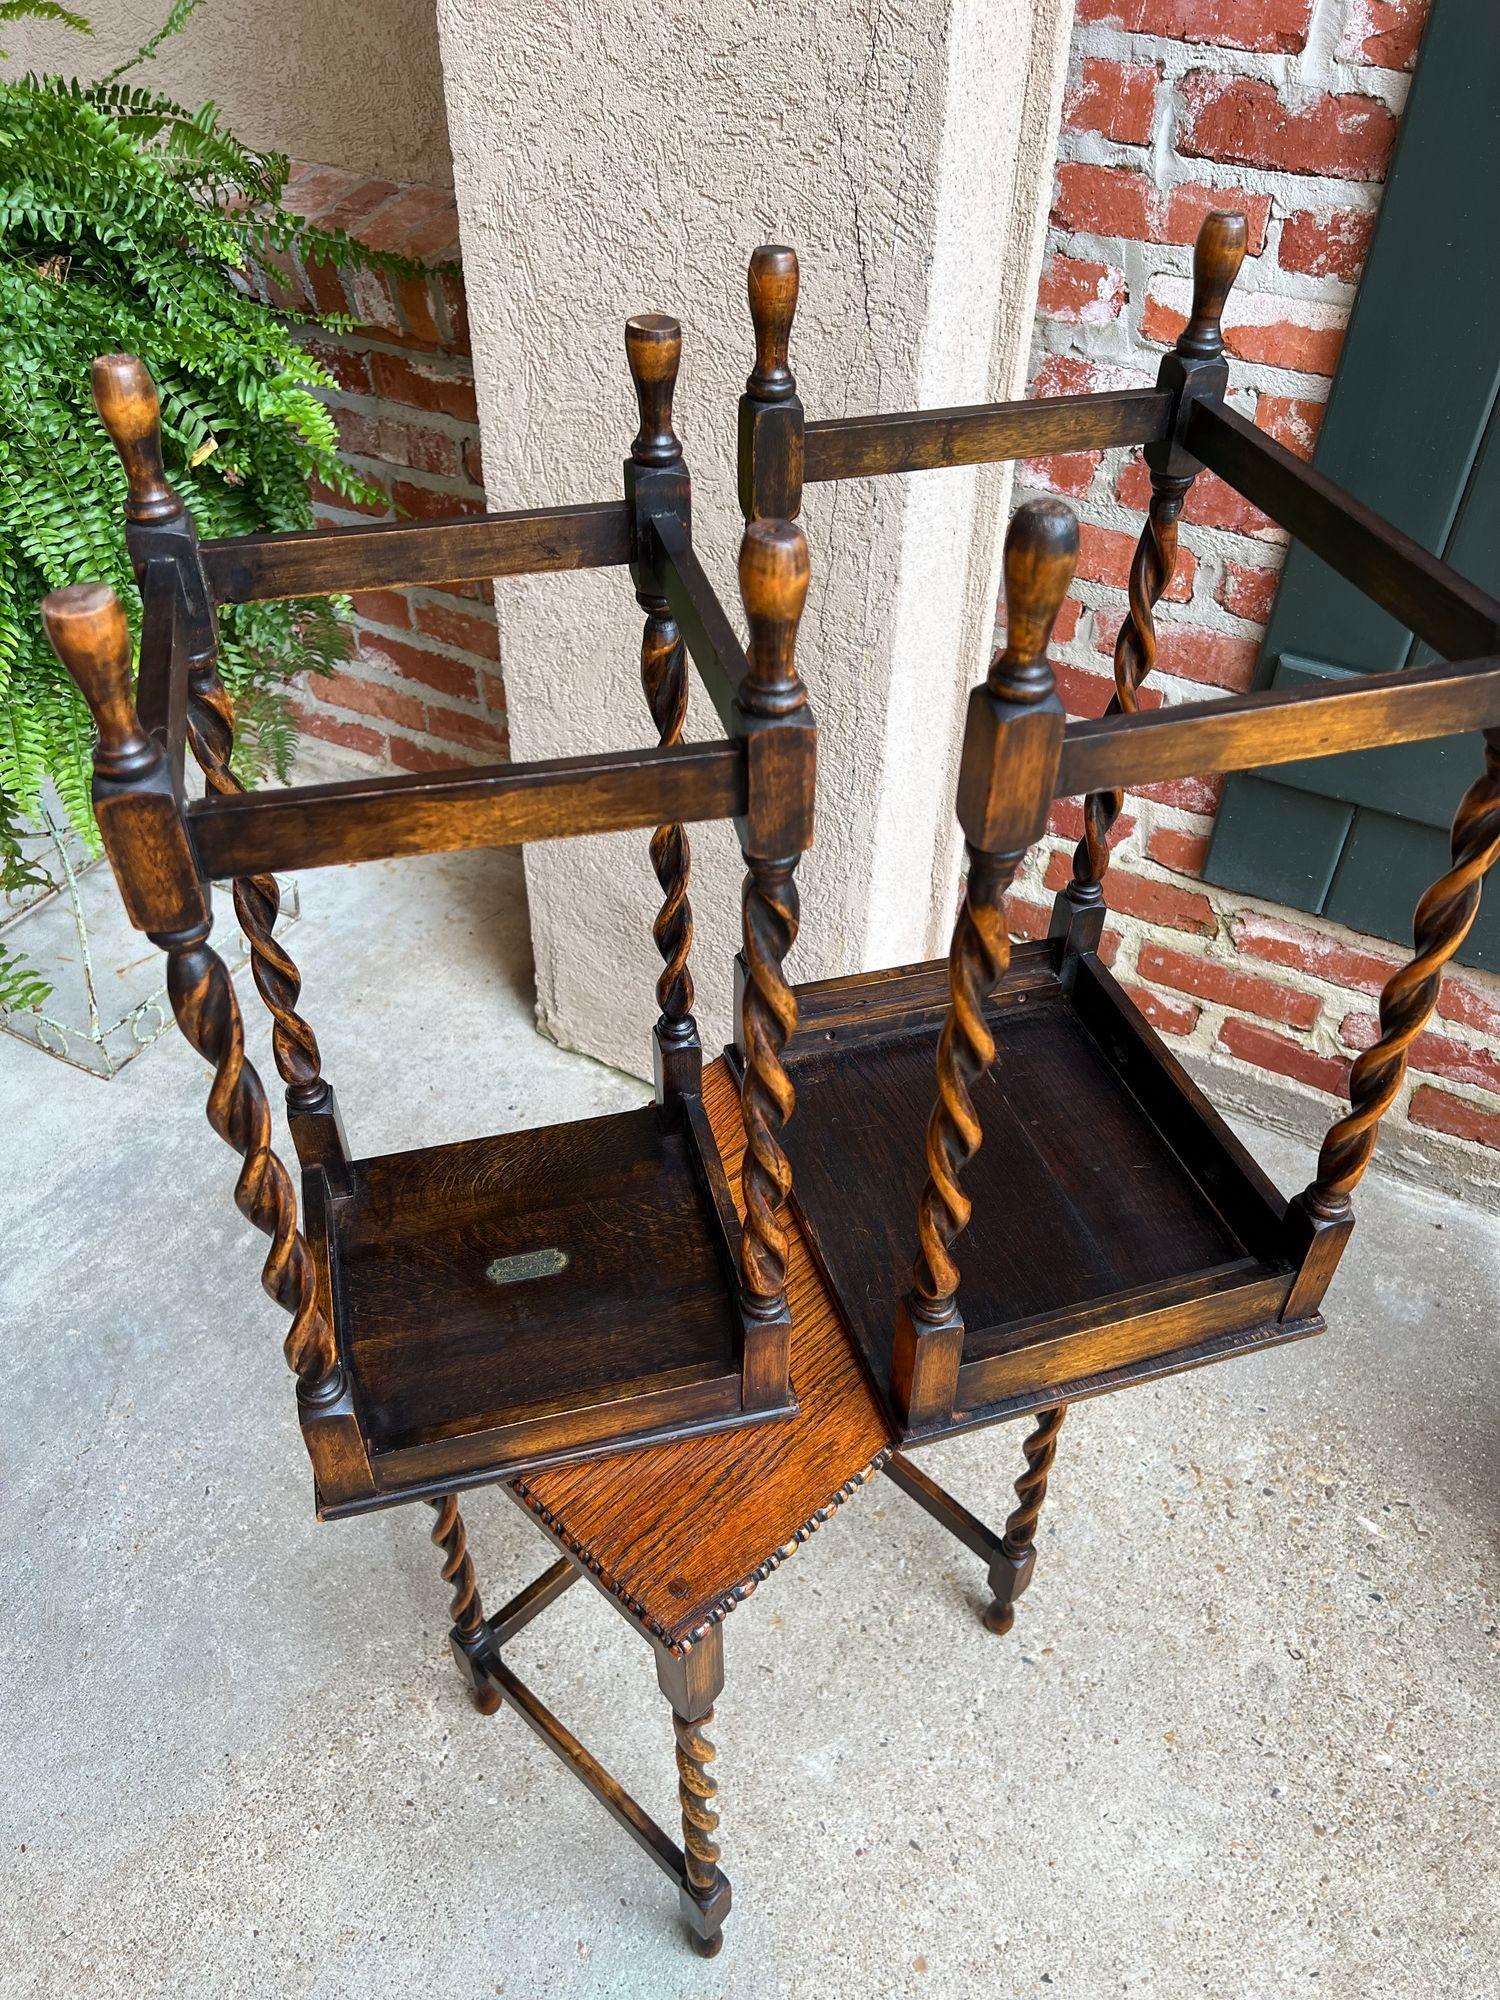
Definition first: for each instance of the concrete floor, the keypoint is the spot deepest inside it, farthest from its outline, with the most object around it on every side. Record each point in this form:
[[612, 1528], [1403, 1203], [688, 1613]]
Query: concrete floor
[[1243, 1740]]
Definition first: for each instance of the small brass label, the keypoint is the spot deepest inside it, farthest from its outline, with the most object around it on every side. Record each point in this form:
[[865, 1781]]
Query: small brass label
[[530, 1264]]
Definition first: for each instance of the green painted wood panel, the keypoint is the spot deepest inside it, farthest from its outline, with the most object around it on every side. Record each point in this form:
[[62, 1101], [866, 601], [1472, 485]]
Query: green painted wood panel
[[1413, 428]]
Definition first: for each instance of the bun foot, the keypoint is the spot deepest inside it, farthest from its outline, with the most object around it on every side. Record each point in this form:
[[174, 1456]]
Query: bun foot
[[485, 1699], [707, 1947], [999, 1618]]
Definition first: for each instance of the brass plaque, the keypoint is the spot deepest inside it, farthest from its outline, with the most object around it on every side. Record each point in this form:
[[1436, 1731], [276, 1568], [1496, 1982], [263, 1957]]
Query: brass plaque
[[529, 1264]]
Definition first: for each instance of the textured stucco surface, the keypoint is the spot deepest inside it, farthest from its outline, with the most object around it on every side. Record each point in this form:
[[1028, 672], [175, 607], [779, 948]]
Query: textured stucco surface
[[353, 83], [613, 159], [1242, 1743]]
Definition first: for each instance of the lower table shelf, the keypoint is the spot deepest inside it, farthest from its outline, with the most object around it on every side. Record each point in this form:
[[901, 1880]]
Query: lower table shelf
[[1119, 1230], [507, 1301]]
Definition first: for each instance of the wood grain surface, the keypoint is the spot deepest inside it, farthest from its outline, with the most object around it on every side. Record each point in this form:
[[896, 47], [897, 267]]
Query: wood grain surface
[[682, 1532]]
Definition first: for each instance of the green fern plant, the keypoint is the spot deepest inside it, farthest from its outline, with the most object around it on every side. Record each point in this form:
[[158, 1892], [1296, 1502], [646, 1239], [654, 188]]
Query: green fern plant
[[130, 223]]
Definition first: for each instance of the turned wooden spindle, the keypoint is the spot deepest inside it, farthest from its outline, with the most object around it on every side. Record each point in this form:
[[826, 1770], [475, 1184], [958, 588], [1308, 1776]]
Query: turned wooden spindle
[[653, 348], [773, 583], [1194, 369], [125, 397], [1011, 744], [656, 477], [90, 634], [771, 423], [773, 283]]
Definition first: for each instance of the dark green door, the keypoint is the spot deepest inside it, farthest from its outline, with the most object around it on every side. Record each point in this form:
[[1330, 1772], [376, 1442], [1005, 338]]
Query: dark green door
[[1413, 429]]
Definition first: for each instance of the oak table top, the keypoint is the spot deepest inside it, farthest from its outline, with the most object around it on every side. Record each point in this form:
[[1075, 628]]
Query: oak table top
[[681, 1533]]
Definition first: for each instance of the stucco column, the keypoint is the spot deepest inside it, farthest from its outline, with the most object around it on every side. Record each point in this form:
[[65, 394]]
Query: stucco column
[[614, 158]]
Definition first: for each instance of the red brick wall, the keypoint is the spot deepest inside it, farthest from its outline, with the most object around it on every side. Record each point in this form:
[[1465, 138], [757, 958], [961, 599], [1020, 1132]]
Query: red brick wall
[[1287, 110], [425, 690]]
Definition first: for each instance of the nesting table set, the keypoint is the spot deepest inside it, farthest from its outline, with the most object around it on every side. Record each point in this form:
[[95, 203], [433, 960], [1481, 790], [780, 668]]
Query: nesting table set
[[682, 1336]]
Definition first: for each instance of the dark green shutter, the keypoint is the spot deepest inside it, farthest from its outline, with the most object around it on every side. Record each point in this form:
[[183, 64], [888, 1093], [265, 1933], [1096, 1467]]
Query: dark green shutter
[[1412, 429]]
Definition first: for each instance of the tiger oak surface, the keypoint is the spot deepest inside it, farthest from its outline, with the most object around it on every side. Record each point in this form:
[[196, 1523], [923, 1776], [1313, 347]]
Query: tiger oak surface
[[681, 1532]]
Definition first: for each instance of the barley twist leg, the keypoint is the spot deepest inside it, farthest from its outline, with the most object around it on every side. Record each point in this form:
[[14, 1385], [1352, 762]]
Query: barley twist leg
[[1443, 920], [257, 904], [697, 1789], [468, 1635], [1011, 1572], [977, 960], [664, 678], [203, 1001], [1151, 572], [769, 1016]]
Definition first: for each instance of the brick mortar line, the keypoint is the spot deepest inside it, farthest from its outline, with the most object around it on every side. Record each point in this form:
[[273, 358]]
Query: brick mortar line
[[374, 408], [1307, 73]]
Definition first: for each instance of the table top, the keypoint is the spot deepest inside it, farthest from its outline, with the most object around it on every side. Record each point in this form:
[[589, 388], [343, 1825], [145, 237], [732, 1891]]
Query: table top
[[681, 1533]]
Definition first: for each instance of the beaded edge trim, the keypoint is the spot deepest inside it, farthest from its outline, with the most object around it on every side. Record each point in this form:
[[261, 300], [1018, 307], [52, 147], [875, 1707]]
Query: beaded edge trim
[[731, 1599]]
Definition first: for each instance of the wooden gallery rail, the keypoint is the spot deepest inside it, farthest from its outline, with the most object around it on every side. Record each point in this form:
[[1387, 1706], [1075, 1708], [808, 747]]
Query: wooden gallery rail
[[1077, 1276], [457, 1314]]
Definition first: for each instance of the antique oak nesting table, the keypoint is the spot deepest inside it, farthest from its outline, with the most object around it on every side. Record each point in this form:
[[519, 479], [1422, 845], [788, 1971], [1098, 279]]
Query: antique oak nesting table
[[821, 1359]]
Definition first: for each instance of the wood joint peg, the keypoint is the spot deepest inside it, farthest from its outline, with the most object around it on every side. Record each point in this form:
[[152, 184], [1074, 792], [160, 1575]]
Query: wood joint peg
[[139, 814]]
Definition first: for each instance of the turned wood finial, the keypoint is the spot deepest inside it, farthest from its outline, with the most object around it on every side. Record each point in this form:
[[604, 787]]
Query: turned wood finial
[[1217, 257], [773, 585], [653, 348], [125, 397], [1041, 549], [89, 634], [773, 305]]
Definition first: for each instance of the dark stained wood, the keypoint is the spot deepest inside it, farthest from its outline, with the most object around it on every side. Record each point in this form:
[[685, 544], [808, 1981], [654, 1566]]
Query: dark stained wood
[[656, 482], [711, 640], [1443, 919], [531, 1602], [161, 694], [1078, 1275], [681, 1533], [1278, 726], [368, 819], [1078, 911], [125, 397], [771, 424], [775, 721], [1454, 616], [449, 1332], [391, 555], [414, 1379], [135, 797], [1011, 742], [1195, 368], [926, 440]]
